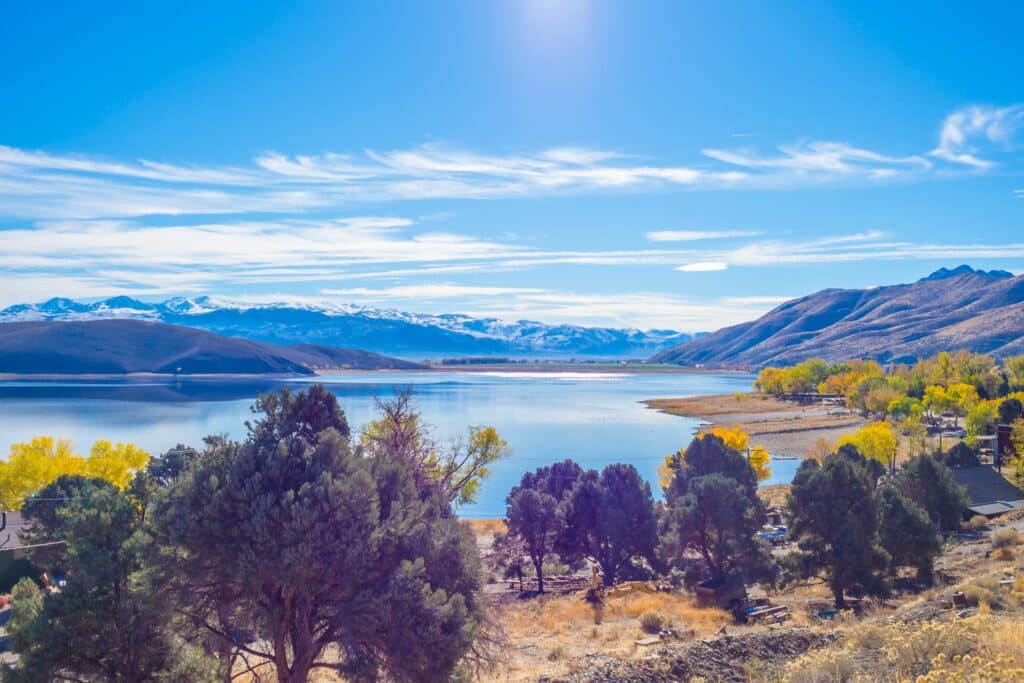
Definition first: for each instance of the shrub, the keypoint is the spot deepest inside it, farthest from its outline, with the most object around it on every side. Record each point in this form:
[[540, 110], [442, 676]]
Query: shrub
[[999, 669], [652, 622], [911, 652], [550, 568], [1005, 538], [1002, 555], [985, 590], [868, 637], [822, 666], [556, 653], [979, 649], [977, 523]]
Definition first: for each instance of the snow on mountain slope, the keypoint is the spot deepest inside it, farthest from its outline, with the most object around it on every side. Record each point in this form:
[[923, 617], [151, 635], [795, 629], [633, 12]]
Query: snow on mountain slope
[[380, 330]]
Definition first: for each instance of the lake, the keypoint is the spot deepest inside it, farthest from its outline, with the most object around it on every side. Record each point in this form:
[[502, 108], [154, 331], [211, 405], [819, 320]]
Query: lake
[[592, 418]]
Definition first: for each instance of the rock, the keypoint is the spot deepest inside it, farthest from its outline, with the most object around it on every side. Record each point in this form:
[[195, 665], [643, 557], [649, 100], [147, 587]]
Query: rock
[[718, 659]]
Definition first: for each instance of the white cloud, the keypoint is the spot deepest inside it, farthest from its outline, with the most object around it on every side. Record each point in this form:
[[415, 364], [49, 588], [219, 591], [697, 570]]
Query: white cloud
[[38, 185], [696, 235], [965, 129], [647, 310], [703, 267], [428, 291], [821, 161]]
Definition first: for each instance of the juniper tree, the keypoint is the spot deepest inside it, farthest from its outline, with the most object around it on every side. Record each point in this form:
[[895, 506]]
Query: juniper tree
[[533, 517], [1009, 410], [712, 508], [908, 534], [292, 540], [610, 519], [533, 514], [834, 517], [104, 624], [959, 456], [556, 479], [42, 513], [930, 484]]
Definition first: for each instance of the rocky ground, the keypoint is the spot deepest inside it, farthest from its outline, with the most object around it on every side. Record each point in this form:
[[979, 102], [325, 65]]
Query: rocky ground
[[731, 659]]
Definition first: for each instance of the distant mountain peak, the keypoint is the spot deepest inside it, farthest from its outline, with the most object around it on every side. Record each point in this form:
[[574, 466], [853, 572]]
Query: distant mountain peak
[[126, 302], [980, 311], [61, 305], [964, 269], [388, 331]]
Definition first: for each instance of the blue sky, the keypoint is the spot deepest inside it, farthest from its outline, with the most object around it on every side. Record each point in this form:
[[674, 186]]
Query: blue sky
[[683, 165]]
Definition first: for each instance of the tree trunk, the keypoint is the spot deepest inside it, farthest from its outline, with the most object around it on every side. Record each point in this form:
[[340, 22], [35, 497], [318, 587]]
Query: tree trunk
[[837, 593], [608, 575], [539, 566]]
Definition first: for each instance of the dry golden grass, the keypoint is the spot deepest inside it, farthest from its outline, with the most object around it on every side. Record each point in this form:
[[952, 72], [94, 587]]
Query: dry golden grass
[[549, 636], [722, 404], [783, 427], [486, 527], [978, 649], [571, 614], [774, 496]]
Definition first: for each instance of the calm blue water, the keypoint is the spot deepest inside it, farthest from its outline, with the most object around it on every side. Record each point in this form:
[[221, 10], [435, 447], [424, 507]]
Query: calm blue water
[[594, 419]]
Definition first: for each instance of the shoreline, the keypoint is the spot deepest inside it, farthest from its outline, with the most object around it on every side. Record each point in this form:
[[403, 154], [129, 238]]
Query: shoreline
[[611, 367], [603, 368], [786, 429]]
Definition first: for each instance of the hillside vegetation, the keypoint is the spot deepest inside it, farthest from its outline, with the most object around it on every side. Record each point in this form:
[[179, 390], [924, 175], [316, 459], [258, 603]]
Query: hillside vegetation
[[135, 346], [960, 308]]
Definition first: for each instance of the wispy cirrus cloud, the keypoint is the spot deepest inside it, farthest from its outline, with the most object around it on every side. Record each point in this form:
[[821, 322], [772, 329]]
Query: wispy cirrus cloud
[[966, 132], [821, 160], [702, 267], [696, 235], [434, 291], [441, 271], [647, 309], [37, 185]]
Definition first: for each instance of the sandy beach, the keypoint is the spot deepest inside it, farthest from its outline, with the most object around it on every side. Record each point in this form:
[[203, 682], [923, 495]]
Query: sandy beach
[[783, 427]]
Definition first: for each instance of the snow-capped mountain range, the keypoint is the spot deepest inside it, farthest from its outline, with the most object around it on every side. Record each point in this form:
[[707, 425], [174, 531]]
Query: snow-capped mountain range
[[410, 335]]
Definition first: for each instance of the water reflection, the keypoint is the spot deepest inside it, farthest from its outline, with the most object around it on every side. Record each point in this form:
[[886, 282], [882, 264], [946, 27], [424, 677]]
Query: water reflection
[[593, 419]]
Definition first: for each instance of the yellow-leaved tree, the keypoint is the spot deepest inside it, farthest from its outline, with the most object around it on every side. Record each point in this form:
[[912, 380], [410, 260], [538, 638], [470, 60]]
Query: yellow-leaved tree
[[115, 463], [962, 397], [459, 466], [1017, 461], [735, 438], [875, 441], [36, 463], [759, 459]]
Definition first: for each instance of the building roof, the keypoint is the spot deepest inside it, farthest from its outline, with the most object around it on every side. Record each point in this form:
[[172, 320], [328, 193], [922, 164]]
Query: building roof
[[984, 486], [9, 538], [993, 509]]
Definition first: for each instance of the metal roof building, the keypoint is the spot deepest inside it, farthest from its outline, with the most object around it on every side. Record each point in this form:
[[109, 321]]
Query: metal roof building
[[989, 493]]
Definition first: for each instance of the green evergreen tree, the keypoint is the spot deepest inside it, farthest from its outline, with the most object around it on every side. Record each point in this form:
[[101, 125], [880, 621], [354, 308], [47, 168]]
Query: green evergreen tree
[[834, 517], [610, 519], [712, 508], [930, 484], [533, 517], [104, 624], [908, 534], [292, 539], [1009, 410]]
